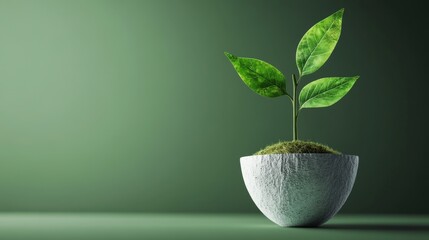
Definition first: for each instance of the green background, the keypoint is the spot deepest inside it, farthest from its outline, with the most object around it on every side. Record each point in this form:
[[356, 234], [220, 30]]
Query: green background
[[132, 106]]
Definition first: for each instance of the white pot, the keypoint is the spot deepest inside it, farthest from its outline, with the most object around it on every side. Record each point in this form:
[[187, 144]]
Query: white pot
[[302, 189]]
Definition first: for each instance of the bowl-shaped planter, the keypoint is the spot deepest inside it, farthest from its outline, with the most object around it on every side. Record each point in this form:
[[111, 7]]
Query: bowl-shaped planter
[[302, 189]]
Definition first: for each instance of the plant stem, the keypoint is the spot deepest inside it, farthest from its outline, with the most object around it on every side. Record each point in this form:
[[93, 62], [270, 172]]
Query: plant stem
[[295, 108]]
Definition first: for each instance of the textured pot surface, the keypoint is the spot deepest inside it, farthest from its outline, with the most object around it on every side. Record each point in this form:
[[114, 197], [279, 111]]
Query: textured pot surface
[[302, 189]]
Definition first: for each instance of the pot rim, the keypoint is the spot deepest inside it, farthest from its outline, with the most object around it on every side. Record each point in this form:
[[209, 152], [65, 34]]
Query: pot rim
[[301, 154]]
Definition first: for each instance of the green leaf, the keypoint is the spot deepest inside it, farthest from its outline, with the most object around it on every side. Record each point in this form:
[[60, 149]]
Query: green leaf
[[325, 92], [318, 43], [261, 77]]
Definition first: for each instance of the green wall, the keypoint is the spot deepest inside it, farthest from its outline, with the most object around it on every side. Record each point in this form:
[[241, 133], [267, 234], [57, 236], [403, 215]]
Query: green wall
[[132, 106]]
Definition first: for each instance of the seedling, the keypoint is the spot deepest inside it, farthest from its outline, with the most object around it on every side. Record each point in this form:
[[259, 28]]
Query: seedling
[[312, 52]]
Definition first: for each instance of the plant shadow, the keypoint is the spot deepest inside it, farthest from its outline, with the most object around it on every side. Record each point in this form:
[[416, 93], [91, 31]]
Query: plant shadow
[[379, 227]]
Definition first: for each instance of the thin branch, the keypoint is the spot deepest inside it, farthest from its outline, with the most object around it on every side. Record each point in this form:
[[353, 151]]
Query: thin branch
[[289, 96]]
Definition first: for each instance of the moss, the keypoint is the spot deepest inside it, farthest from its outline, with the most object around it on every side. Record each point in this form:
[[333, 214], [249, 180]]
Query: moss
[[296, 147]]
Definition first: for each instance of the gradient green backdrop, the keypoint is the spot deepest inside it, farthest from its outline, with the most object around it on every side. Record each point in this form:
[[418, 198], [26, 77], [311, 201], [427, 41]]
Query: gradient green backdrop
[[132, 106]]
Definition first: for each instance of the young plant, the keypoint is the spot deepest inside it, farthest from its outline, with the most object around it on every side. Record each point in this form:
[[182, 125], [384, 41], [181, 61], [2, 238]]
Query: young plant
[[312, 52]]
